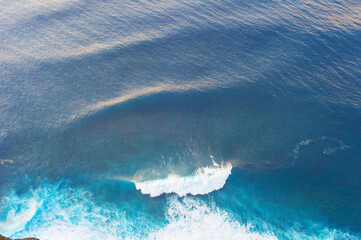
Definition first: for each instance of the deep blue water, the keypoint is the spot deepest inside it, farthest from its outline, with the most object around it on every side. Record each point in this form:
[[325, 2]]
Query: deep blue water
[[103, 104]]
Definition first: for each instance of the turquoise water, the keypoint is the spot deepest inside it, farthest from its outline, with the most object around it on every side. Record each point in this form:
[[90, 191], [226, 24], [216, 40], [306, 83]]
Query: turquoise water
[[180, 120]]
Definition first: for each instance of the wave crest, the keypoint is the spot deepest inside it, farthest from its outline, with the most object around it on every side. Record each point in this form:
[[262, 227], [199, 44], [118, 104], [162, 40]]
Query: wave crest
[[204, 180]]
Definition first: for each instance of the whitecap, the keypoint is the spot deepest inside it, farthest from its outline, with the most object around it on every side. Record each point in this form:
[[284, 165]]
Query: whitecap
[[204, 180], [4, 161]]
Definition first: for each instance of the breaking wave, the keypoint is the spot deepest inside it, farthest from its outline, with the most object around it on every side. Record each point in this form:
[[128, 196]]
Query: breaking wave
[[71, 214], [56, 213], [190, 218], [204, 180]]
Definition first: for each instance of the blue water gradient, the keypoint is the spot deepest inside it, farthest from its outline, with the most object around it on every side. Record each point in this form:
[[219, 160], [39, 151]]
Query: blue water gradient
[[97, 95]]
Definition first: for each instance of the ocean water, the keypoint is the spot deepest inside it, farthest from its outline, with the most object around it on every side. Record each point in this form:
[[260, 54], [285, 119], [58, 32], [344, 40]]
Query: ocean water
[[180, 119]]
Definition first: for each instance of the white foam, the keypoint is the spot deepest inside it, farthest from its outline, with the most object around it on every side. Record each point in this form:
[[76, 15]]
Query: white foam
[[204, 180], [17, 222], [4, 161], [337, 145], [190, 218], [70, 214]]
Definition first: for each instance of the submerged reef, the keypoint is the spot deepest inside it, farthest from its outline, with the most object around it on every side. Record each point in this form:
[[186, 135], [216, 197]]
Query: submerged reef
[[5, 238]]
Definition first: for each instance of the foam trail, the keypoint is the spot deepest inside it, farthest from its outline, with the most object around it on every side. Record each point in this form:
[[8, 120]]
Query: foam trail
[[18, 222], [82, 34], [199, 85], [336, 145], [205, 180]]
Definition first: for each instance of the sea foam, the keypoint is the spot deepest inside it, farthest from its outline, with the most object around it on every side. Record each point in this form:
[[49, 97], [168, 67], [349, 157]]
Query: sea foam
[[203, 181], [17, 221], [191, 218], [71, 214]]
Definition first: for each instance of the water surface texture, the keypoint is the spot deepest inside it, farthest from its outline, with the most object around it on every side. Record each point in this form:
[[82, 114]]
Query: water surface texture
[[180, 119]]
